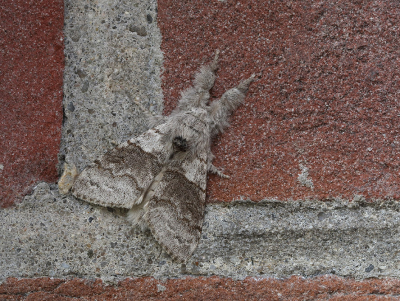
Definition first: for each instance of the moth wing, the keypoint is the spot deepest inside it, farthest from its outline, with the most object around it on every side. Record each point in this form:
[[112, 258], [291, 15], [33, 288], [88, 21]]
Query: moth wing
[[119, 177], [175, 211]]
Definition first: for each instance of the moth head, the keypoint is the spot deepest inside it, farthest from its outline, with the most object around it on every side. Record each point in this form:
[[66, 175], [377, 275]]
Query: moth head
[[180, 144]]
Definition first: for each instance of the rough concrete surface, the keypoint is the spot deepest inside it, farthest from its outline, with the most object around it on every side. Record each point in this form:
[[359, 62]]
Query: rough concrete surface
[[113, 59], [59, 236]]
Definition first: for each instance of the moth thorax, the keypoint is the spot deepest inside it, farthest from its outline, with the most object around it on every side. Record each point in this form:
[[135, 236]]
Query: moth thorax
[[180, 144]]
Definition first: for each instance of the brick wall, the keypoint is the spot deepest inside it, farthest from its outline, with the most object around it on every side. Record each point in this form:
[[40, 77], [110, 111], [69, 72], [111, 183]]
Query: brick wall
[[319, 125]]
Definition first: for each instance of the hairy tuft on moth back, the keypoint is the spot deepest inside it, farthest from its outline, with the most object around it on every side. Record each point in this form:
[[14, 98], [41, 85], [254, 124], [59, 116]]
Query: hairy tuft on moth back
[[161, 175]]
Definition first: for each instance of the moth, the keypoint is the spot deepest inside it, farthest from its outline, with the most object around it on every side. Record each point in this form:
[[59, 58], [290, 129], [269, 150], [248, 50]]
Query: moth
[[160, 176]]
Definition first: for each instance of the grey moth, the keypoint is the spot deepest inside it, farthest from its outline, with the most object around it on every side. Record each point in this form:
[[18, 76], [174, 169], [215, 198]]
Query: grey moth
[[160, 176]]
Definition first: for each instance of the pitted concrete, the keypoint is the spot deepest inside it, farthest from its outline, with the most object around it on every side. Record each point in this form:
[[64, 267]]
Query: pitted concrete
[[60, 236], [112, 60]]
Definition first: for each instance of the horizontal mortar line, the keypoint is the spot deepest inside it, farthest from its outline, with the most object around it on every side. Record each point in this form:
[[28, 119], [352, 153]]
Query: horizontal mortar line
[[282, 238]]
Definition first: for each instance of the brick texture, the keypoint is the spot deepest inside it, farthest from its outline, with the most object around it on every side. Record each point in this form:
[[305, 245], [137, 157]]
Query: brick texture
[[213, 288], [322, 120], [31, 73]]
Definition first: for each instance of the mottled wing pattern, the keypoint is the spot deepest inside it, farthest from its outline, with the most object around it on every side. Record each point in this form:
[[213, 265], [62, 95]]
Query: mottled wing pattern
[[175, 211], [120, 176]]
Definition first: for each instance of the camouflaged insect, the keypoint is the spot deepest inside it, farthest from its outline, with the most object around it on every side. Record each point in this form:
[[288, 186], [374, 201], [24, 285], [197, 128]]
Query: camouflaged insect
[[161, 175]]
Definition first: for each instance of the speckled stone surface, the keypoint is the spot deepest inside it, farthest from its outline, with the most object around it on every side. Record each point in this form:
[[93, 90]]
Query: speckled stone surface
[[113, 59], [31, 70], [213, 288], [327, 102], [59, 236]]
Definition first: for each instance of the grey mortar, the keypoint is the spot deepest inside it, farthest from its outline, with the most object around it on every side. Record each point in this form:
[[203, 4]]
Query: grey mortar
[[59, 236], [112, 58]]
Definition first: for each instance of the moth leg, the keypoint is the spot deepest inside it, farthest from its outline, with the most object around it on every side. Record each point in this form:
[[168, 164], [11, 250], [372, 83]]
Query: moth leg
[[204, 79], [215, 170], [221, 109], [214, 64]]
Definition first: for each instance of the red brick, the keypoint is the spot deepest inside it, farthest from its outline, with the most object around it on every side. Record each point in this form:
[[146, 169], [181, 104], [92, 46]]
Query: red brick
[[10, 297], [80, 287], [328, 97], [22, 286], [31, 73], [43, 296], [212, 288]]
